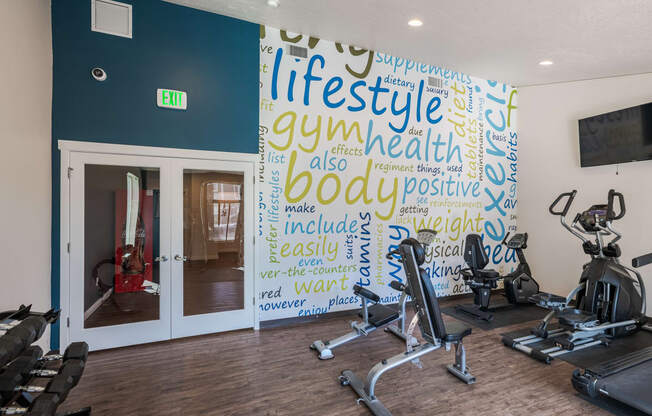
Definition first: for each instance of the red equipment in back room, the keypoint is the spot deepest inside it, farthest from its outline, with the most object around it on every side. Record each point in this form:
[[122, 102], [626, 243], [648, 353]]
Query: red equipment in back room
[[133, 261]]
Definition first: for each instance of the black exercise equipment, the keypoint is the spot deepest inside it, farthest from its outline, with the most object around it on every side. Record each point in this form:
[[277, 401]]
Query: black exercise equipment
[[20, 329], [435, 333], [44, 405], [29, 366], [626, 379], [378, 315], [373, 317], [606, 303], [519, 285], [22, 363]]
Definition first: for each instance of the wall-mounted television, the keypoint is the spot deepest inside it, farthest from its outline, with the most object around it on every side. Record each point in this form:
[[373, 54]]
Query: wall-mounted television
[[617, 137]]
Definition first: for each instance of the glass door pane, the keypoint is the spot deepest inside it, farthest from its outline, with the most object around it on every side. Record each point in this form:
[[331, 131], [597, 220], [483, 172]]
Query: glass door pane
[[121, 231], [213, 229], [212, 247]]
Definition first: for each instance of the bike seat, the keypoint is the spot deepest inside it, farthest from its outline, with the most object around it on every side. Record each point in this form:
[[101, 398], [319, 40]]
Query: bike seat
[[380, 315], [455, 331], [479, 275], [575, 317]]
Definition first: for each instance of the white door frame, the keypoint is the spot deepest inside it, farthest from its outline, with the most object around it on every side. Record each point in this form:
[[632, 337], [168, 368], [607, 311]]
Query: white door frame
[[67, 147], [128, 333]]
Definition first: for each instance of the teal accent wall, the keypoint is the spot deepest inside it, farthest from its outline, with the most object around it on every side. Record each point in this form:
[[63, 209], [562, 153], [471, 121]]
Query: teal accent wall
[[213, 58]]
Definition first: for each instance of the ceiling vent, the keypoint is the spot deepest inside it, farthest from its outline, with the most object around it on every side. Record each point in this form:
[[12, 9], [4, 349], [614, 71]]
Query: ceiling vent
[[111, 17], [298, 51], [435, 82]]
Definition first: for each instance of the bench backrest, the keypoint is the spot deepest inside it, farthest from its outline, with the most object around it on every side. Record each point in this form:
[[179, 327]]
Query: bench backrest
[[424, 298]]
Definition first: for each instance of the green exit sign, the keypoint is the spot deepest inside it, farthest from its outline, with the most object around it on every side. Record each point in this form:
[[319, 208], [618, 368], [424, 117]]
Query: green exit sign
[[176, 100]]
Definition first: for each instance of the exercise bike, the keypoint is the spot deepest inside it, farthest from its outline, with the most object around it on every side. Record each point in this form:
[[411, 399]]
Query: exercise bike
[[605, 304], [518, 285], [374, 314]]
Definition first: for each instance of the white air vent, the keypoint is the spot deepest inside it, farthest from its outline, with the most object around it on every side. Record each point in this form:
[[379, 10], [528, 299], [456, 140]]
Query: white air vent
[[298, 51], [112, 17], [435, 82]]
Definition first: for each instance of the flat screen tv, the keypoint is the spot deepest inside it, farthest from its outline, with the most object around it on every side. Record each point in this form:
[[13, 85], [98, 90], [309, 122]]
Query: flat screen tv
[[617, 137]]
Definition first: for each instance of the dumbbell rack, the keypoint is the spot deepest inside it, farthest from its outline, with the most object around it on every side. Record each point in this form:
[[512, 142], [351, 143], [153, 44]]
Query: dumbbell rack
[[33, 384]]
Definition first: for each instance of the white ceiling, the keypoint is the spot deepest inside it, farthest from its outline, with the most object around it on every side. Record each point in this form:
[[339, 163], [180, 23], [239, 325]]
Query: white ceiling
[[497, 39]]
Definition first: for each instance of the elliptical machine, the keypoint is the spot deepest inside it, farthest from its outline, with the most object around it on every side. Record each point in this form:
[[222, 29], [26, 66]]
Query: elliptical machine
[[519, 285], [606, 301]]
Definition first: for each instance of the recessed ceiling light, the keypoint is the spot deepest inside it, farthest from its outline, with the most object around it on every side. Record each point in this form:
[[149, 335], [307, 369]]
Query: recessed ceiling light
[[272, 3], [546, 63], [415, 23]]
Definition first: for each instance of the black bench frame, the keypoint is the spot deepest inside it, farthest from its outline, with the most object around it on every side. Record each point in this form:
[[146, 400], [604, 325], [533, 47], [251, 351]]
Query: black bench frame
[[433, 330]]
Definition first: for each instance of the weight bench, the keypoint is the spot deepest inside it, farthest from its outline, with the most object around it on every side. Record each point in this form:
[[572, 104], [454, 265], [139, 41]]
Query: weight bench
[[434, 331], [377, 315], [373, 316]]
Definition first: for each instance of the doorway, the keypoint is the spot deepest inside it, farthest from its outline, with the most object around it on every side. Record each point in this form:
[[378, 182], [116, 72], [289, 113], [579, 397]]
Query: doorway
[[156, 243]]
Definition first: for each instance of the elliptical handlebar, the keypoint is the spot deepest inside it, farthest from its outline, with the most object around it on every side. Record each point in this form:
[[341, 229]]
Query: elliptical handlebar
[[562, 214], [611, 215], [569, 202]]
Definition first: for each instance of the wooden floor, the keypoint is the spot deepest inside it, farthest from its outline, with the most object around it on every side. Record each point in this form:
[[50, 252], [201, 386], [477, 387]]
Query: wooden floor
[[207, 287], [273, 372]]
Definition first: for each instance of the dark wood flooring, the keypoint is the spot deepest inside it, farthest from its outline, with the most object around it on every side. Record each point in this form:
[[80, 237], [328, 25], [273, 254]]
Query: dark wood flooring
[[273, 372], [124, 308], [208, 288], [212, 287]]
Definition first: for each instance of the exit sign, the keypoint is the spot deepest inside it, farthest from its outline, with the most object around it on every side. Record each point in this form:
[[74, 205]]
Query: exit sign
[[176, 100]]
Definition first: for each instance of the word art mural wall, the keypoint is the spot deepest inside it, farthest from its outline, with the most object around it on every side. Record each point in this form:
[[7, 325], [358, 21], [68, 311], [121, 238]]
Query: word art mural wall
[[359, 150]]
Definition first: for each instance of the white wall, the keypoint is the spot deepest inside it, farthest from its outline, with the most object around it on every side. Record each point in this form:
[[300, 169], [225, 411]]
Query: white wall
[[25, 168], [549, 165]]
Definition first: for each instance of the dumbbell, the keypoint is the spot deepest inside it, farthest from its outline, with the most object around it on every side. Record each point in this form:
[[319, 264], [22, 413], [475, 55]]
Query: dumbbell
[[11, 319], [21, 313], [21, 336], [10, 348], [74, 361], [28, 365], [75, 351], [30, 329], [44, 405], [11, 383]]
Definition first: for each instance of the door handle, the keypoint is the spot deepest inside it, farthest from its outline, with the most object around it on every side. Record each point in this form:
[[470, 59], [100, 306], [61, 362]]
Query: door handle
[[161, 259], [179, 258]]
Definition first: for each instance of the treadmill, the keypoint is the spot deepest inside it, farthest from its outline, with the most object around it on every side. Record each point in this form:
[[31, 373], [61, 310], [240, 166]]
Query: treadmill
[[626, 379]]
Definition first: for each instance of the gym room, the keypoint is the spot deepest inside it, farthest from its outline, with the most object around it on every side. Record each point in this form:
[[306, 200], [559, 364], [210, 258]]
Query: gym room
[[301, 207]]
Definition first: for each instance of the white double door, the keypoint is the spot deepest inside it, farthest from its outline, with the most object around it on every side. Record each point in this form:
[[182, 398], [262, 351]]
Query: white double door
[[159, 247]]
